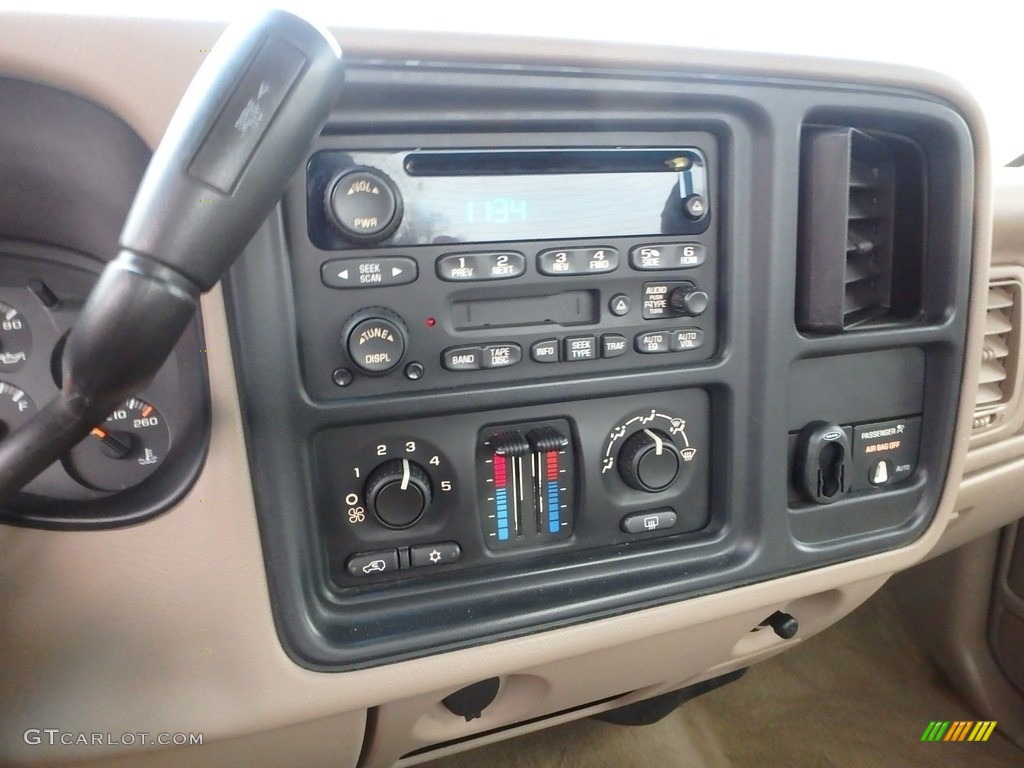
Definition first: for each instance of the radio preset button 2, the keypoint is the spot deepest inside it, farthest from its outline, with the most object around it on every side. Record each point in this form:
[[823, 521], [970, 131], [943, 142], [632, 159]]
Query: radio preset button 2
[[564, 262], [462, 359], [657, 256], [368, 273], [545, 351], [579, 348], [612, 345], [501, 355], [471, 267]]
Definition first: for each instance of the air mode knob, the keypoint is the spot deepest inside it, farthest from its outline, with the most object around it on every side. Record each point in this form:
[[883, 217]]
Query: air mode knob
[[398, 492], [649, 461]]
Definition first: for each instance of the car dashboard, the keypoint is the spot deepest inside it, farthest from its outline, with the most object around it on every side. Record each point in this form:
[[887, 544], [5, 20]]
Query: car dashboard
[[556, 381]]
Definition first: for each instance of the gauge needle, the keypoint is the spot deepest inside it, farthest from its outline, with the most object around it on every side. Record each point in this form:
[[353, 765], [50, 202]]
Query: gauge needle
[[118, 448]]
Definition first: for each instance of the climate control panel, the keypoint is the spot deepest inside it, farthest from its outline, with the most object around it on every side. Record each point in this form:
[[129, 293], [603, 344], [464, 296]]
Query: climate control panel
[[402, 500]]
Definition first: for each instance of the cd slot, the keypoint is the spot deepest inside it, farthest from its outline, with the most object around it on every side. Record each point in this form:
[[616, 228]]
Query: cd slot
[[566, 308]]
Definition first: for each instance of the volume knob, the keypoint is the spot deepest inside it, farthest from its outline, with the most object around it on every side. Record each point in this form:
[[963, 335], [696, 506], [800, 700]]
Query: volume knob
[[649, 461], [398, 492]]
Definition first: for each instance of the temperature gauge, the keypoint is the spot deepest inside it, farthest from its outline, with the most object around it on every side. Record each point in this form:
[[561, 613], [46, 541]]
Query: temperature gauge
[[15, 338], [122, 451], [15, 408]]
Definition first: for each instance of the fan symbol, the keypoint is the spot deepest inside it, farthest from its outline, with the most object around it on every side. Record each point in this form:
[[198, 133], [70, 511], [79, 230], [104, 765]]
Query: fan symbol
[[356, 515], [435, 556]]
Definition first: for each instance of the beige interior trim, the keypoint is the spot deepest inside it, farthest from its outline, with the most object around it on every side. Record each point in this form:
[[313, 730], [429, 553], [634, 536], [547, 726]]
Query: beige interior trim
[[166, 626]]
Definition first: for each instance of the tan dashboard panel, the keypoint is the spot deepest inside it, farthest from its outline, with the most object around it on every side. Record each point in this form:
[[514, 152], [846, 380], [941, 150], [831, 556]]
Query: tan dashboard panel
[[167, 626]]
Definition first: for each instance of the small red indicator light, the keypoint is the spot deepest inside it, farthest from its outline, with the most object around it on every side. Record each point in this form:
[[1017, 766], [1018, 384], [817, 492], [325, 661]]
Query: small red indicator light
[[431, 322]]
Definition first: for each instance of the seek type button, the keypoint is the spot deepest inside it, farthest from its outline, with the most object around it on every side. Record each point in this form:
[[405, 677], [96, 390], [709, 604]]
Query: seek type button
[[501, 355], [579, 348]]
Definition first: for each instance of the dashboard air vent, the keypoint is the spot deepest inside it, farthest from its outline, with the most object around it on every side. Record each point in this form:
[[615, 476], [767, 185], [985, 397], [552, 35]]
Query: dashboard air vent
[[861, 229], [997, 380]]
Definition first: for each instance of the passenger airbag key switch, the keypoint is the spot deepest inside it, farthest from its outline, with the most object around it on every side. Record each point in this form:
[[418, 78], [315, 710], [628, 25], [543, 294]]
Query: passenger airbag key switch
[[823, 466]]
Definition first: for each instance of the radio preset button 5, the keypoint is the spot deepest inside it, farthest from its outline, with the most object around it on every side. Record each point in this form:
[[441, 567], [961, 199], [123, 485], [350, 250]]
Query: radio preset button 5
[[470, 267], [667, 256], [545, 351], [462, 359], [368, 273], [501, 355], [562, 262]]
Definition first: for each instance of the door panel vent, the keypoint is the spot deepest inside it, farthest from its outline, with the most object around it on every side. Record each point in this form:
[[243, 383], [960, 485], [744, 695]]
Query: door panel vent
[[861, 229], [997, 381]]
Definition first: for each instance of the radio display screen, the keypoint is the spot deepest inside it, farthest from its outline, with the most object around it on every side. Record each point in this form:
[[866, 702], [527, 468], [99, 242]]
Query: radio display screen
[[481, 197]]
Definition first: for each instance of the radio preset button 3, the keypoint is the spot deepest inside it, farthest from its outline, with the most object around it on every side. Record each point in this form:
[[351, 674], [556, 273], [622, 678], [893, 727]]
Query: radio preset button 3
[[368, 273], [564, 262], [656, 256], [471, 267]]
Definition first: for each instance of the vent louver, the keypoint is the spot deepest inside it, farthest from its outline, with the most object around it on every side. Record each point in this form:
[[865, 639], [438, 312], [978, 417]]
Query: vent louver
[[996, 381], [861, 229]]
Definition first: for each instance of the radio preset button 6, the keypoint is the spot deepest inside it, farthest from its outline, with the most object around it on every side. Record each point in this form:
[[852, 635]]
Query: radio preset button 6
[[579, 348], [368, 273], [470, 267], [667, 256], [462, 359], [545, 351], [501, 355], [560, 262]]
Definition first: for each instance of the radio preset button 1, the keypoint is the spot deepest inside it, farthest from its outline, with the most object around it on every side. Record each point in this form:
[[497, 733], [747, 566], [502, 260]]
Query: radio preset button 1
[[652, 342], [612, 345], [462, 359], [368, 273], [501, 355], [471, 267], [658, 256], [686, 339], [560, 262], [545, 351], [579, 348]]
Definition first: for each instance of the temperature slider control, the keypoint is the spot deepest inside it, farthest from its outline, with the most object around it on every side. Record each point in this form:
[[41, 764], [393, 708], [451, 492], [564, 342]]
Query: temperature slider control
[[526, 477]]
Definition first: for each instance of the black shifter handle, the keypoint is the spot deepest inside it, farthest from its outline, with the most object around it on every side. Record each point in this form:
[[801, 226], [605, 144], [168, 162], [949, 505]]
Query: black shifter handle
[[242, 129]]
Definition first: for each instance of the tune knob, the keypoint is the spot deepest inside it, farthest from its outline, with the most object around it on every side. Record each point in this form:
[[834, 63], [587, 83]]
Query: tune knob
[[398, 492], [649, 461], [375, 339], [688, 300]]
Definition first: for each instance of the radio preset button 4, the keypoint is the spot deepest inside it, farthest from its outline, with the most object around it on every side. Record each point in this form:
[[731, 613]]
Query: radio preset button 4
[[470, 267], [656, 256], [564, 262], [368, 273]]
